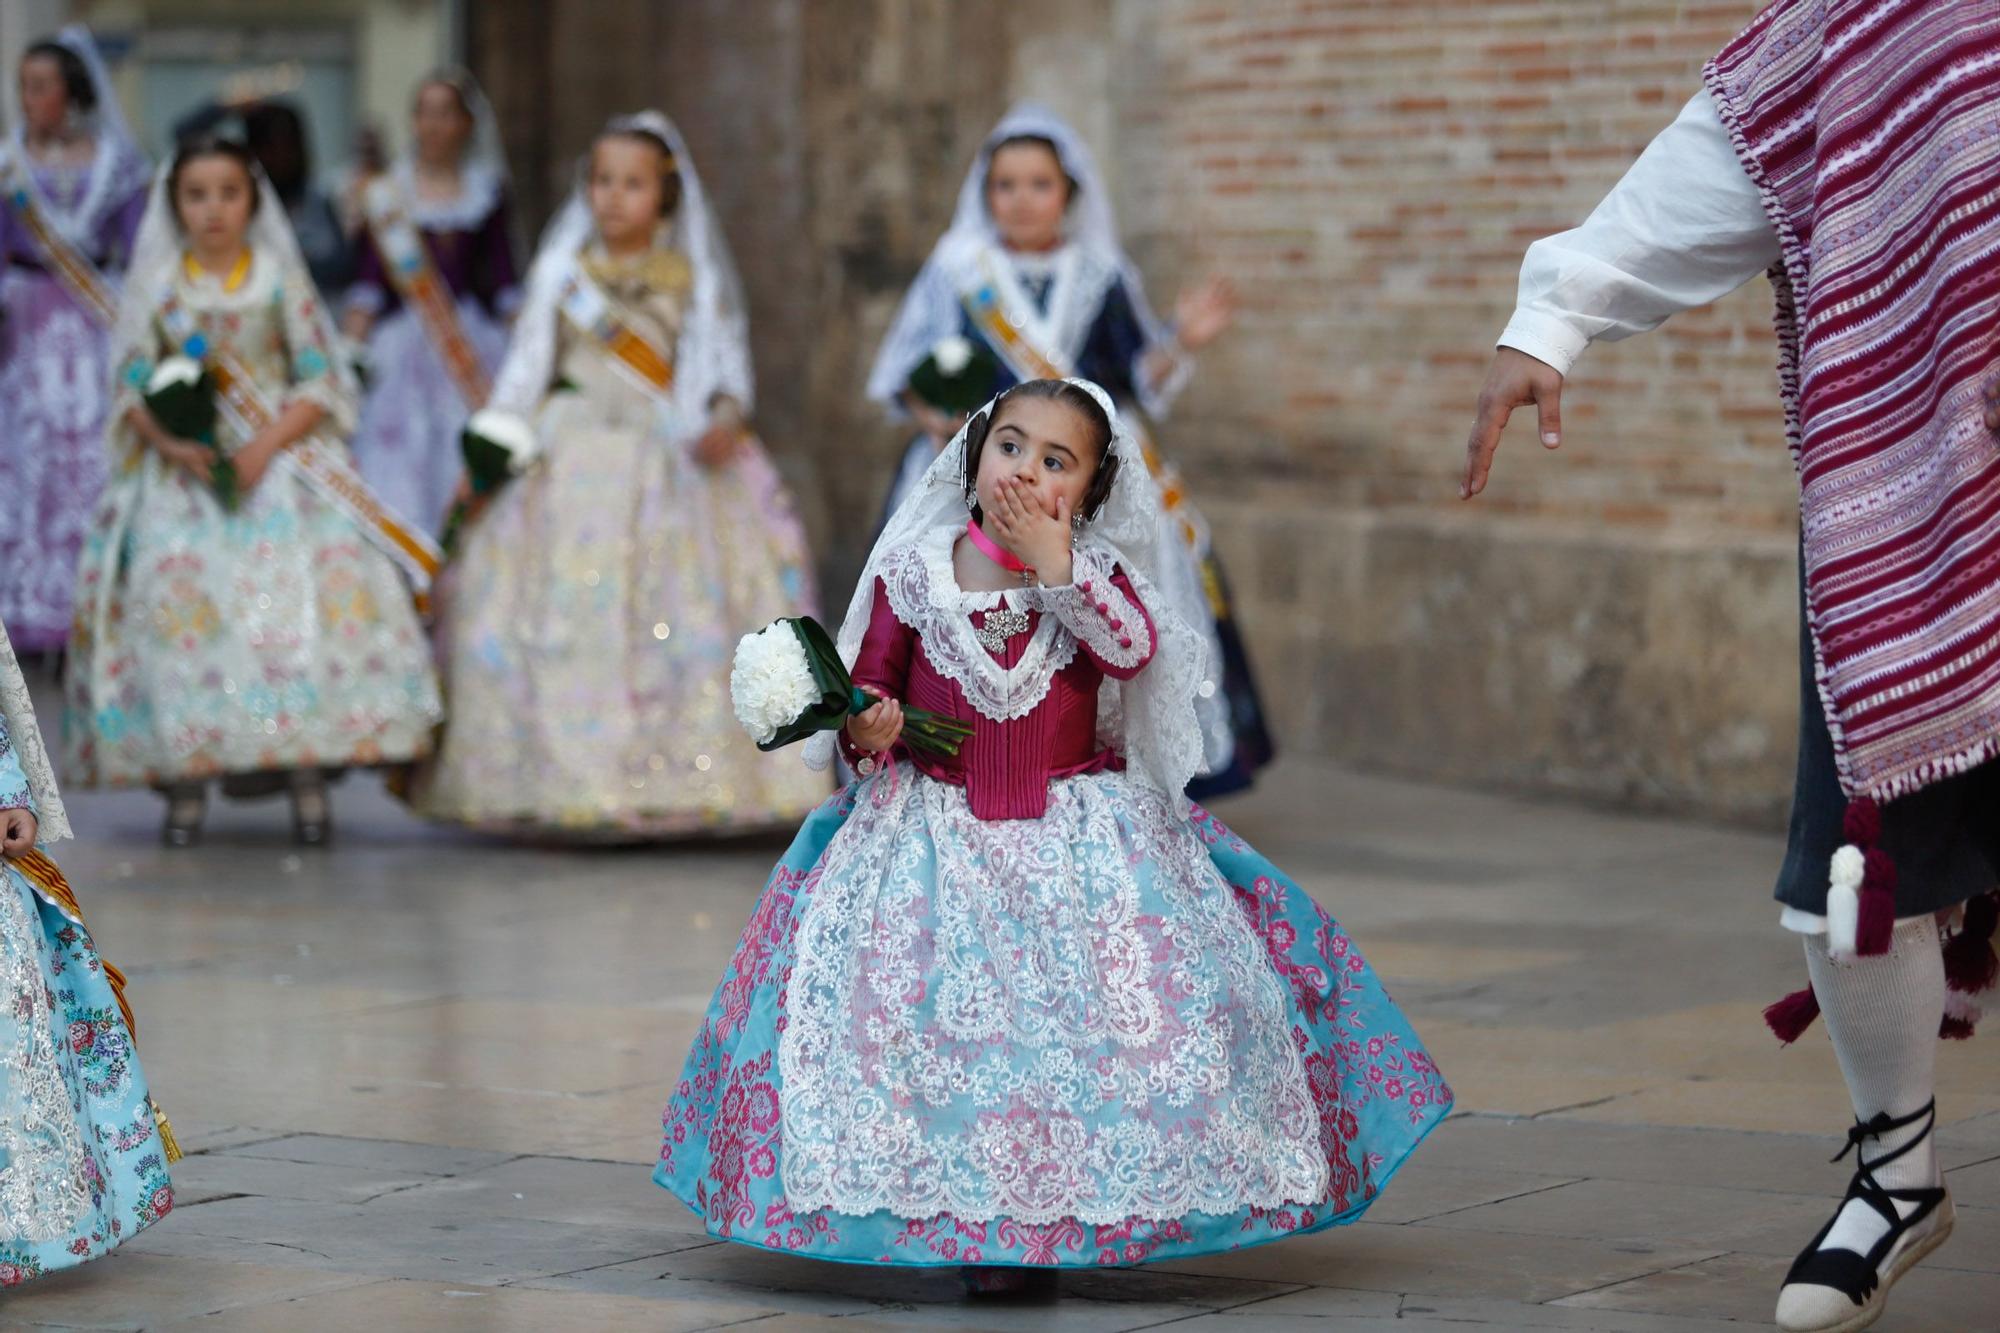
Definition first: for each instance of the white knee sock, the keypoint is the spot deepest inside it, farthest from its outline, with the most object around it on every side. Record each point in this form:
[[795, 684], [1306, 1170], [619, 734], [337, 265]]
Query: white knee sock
[[1882, 1013]]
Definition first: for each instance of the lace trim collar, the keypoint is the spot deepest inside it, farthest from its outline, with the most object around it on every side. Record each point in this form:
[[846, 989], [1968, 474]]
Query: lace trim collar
[[924, 595], [479, 188]]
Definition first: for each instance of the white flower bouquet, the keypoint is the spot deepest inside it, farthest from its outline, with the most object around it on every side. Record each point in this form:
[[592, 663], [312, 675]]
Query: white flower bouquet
[[180, 394], [788, 682]]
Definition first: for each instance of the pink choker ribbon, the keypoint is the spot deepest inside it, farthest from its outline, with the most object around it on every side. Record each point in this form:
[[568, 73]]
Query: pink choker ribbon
[[992, 550]]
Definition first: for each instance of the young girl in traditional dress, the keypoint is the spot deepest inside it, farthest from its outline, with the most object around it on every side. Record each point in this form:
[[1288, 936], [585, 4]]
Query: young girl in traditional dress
[[72, 187], [83, 1152], [1028, 1007], [1031, 268], [434, 283], [261, 640], [593, 607]]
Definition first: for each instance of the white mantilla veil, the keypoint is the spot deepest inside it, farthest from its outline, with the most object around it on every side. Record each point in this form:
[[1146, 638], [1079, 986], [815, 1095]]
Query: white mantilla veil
[[1150, 719], [931, 310], [482, 167], [713, 353], [118, 165], [26, 737]]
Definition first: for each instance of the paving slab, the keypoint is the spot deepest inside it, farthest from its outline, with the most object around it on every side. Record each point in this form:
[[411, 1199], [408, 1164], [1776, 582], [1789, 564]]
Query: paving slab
[[446, 1308], [420, 1076]]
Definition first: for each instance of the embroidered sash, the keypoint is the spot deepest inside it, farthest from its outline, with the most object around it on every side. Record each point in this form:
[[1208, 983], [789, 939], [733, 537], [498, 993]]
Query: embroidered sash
[[70, 265], [1010, 332], [1013, 337], [408, 261], [248, 411], [591, 313]]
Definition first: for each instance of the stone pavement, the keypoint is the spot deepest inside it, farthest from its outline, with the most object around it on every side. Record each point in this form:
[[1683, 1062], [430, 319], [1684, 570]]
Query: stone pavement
[[419, 1074]]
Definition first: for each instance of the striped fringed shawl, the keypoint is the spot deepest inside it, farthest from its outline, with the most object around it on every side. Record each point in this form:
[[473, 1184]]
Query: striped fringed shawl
[[1873, 129]]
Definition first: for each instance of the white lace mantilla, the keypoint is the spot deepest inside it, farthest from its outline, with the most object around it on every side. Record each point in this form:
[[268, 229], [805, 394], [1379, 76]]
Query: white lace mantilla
[[42, 1166], [1035, 1019], [18, 730]]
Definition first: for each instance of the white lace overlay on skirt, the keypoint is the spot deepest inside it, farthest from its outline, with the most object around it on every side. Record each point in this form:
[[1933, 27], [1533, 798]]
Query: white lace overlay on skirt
[[1035, 1019], [41, 1148]]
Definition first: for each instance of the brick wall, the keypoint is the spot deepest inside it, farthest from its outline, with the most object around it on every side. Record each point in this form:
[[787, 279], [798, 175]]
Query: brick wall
[[1615, 620]]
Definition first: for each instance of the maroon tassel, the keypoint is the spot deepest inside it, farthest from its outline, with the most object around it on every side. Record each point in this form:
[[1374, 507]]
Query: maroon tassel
[[1877, 921], [1862, 822], [1954, 1029], [1969, 962], [1790, 1017]]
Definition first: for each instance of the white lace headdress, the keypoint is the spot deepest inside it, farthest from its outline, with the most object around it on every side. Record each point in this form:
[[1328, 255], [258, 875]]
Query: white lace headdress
[[713, 352], [482, 166], [930, 311], [1149, 719], [118, 166], [19, 709], [156, 265]]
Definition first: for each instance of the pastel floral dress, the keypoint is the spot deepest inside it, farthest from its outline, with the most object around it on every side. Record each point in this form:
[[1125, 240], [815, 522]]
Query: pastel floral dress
[[54, 382], [268, 638], [82, 1167], [592, 611]]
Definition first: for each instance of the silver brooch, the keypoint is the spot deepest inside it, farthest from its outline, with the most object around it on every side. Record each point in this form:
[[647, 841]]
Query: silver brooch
[[1000, 625]]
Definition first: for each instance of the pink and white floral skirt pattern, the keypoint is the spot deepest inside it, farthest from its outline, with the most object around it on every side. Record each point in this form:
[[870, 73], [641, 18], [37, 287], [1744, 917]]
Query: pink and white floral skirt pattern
[[1111, 1035]]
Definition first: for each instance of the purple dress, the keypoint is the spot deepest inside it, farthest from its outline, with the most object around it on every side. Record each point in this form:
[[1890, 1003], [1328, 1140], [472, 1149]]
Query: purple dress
[[55, 384], [407, 443]]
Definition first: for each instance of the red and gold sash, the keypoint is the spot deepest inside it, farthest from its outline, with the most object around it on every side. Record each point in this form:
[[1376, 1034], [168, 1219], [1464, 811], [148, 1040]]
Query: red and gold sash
[[45, 877], [592, 313], [1009, 339], [1012, 342], [70, 265], [408, 261]]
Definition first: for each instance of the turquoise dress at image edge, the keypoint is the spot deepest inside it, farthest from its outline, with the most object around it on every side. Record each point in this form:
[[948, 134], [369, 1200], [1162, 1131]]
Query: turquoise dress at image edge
[[82, 1167]]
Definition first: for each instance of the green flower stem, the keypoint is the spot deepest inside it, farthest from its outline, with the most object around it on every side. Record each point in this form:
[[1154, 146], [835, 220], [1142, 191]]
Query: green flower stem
[[933, 733]]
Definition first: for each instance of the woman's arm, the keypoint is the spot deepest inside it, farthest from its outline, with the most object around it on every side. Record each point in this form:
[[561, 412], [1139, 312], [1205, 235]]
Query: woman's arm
[[1686, 226]]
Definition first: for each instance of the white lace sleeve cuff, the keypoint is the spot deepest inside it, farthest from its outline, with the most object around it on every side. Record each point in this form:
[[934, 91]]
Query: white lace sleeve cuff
[[1097, 611]]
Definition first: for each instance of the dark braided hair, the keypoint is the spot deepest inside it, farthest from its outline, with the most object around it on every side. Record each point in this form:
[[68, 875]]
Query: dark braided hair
[[1078, 400], [75, 75]]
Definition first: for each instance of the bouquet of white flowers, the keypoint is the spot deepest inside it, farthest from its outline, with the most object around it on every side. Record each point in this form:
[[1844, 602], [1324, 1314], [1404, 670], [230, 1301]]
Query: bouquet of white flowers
[[957, 377], [788, 682], [181, 396], [497, 446]]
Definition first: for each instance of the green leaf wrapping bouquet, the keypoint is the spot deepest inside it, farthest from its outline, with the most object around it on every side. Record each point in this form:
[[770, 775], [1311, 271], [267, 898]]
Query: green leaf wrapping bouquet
[[788, 682], [181, 396], [957, 377], [497, 447]]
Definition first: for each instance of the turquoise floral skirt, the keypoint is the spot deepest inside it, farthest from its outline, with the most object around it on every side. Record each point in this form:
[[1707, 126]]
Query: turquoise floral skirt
[[1111, 1035], [82, 1167]]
